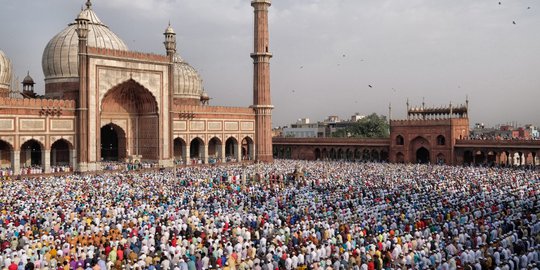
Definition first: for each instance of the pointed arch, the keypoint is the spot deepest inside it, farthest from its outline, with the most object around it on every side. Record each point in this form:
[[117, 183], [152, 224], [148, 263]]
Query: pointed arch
[[248, 148], [6, 151], [179, 150], [32, 153], [214, 149], [197, 149], [231, 149], [113, 145], [61, 153]]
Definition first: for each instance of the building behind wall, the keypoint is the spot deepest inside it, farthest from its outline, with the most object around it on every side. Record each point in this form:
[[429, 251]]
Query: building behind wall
[[428, 135]]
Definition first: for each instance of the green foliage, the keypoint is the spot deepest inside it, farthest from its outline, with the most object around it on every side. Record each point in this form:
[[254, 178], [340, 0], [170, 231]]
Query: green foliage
[[371, 126]]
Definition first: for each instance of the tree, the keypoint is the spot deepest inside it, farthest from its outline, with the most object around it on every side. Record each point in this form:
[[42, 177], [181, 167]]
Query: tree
[[371, 126]]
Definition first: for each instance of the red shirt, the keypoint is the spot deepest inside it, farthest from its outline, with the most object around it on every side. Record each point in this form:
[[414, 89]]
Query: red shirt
[[12, 266]]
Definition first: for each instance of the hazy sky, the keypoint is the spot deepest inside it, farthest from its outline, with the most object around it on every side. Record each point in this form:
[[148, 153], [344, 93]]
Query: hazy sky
[[326, 52]]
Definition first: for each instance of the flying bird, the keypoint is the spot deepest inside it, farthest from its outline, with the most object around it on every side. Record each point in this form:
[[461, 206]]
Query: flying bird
[[499, 3], [370, 86], [301, 67], [528, 7], [344, 55], [514, 22]]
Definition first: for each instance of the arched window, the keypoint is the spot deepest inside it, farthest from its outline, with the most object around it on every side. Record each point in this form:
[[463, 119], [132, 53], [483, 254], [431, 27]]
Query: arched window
[[399, 140], [441, 140]]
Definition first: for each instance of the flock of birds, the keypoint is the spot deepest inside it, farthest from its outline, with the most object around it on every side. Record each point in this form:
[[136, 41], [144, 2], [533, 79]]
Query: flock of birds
[[393, 89], [513, 22]]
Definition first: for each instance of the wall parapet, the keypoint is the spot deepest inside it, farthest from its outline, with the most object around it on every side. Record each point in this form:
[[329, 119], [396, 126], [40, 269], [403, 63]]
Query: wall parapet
[[37, 103], [211, 109], [128, 54], [497, 143], [428, 122], [385, 142]]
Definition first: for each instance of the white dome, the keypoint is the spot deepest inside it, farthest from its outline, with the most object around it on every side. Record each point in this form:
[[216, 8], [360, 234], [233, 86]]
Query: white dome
[[6, 71], [60, 58], [187, 81]]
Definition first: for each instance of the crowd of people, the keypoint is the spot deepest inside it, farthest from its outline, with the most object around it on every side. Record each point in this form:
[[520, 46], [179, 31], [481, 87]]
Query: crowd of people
[[284, 215]]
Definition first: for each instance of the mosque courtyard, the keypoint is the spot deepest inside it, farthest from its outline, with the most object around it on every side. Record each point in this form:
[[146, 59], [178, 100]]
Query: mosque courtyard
[[285, 215]]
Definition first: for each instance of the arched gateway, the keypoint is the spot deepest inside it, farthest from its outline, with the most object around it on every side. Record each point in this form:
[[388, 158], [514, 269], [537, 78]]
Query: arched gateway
[[130, 129]]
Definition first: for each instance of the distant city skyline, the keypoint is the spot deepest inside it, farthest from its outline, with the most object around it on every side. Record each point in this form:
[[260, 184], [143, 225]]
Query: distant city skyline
[[330, 57]]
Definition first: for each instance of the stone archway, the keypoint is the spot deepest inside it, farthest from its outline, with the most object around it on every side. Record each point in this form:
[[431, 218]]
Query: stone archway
[[196, 148], [5, 154], [179, 149], [214, 150], [248, 151], [324, 154], [61, 153], [441, 159], [31, 153], [231, 149], [113, 143], [134, 108], [468, 157], [317, 153], [417, 154], [422, 155]]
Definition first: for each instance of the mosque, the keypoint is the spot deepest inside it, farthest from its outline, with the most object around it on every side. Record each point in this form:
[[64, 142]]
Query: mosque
[[105, 103]]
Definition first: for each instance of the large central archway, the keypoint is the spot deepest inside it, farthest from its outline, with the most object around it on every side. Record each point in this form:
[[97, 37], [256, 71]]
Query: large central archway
[[135, 109], [422, 155], [420, 150]]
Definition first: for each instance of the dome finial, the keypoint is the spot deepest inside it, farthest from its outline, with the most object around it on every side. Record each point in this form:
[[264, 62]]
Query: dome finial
[[88, 4]]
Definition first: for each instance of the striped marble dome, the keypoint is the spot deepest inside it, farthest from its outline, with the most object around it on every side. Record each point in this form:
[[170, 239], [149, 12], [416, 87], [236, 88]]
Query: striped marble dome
[[60, 58], [187, 81], [6, 71]]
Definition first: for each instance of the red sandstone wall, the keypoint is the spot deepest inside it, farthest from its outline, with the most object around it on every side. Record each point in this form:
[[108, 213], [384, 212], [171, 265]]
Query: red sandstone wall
[[16, 106], [216, 112], [128, 54]]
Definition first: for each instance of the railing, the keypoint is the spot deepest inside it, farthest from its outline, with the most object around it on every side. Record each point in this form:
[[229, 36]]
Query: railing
[[331, 141], [498, 142]]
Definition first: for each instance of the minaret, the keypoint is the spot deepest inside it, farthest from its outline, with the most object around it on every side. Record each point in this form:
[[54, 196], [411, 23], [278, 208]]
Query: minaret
[[170, 47], [170, 41], [82, 107], [261, 83]]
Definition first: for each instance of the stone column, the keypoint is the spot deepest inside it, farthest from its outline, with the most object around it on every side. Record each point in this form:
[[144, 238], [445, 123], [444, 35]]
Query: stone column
[[238, 153], [73, 158], [252, 150], [511, 159], [46, 161], [186, 155], [204, 153], [222, 153], [16, 162]]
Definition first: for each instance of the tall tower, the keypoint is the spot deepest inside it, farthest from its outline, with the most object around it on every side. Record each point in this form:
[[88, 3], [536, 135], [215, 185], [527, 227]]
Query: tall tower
[[170, 41], [261, 83], [82, 110]]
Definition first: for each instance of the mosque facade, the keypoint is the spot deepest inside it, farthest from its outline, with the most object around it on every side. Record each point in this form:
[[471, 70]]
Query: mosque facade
[[104, 103]]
